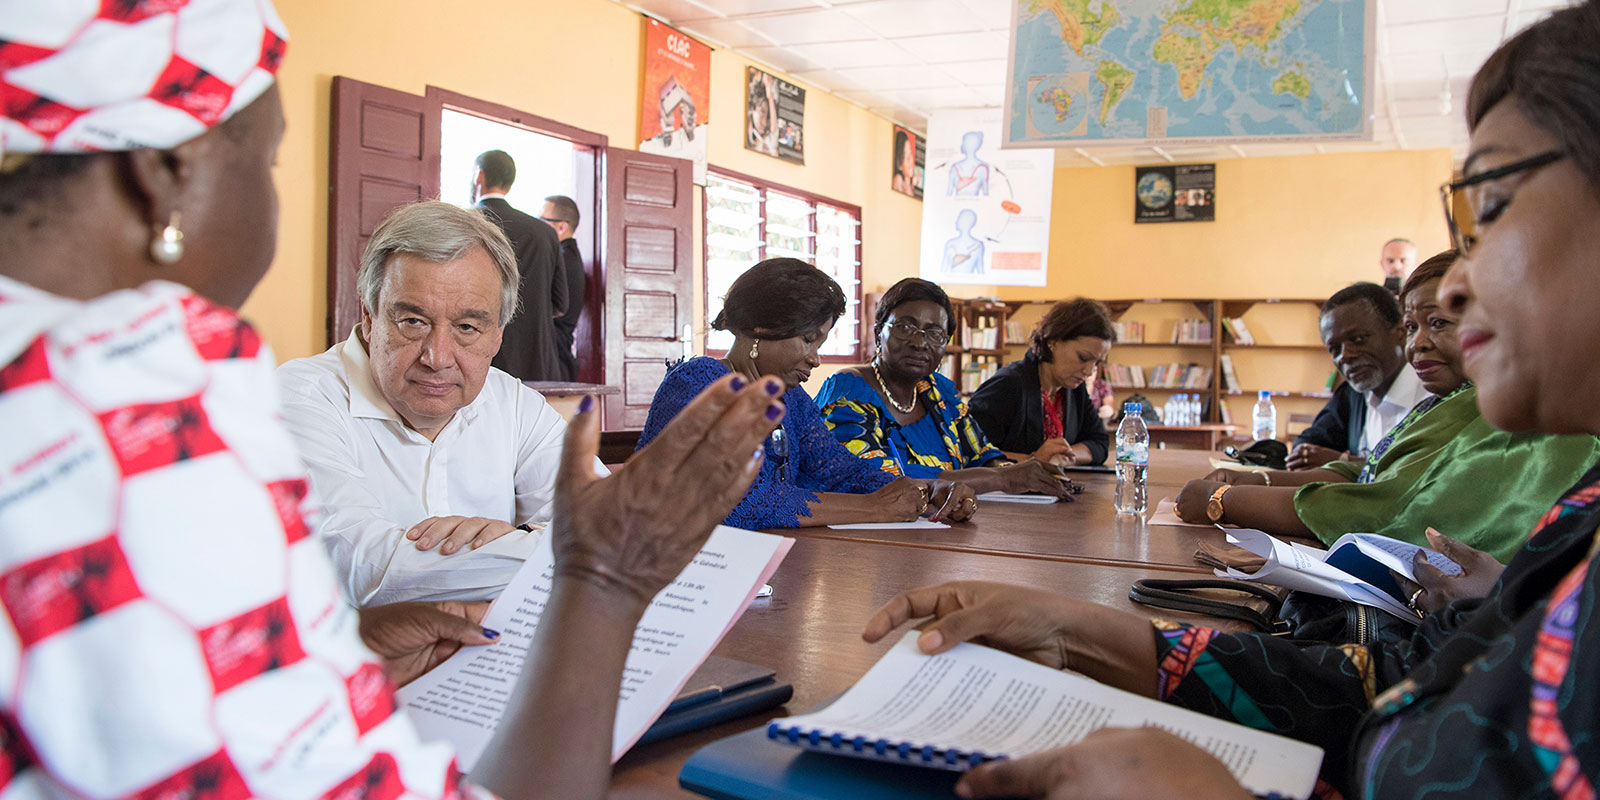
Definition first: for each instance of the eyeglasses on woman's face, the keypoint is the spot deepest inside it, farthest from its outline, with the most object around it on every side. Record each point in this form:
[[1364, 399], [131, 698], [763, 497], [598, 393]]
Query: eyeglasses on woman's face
[[1463, 241], [906, 331]]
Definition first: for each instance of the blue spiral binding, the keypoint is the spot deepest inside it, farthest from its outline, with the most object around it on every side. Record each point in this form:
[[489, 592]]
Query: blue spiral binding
[[882, 748]]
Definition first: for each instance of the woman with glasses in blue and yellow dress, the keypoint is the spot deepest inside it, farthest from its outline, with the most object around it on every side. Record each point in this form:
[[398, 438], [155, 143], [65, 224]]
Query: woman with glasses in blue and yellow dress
[[901, 414]]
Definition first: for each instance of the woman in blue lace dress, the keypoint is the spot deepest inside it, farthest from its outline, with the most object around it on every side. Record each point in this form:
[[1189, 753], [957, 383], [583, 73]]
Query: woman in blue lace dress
[[780, 312], [1492, 697], [930, 434]]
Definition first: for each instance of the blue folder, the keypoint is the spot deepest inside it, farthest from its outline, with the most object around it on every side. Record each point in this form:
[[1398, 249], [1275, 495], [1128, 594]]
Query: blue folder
[[751, 766]]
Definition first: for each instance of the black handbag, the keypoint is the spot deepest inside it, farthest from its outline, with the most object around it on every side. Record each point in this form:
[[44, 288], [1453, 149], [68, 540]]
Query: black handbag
[[1300, 616]]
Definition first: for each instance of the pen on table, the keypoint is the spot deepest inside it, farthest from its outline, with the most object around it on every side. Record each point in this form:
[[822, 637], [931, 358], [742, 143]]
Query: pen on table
[[695, 698]]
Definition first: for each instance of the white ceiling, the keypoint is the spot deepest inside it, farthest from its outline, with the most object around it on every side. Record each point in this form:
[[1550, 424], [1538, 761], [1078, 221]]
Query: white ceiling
[[904, 59]]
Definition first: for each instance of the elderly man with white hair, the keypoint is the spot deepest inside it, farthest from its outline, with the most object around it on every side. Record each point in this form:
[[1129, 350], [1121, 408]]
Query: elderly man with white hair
[[434, 471]]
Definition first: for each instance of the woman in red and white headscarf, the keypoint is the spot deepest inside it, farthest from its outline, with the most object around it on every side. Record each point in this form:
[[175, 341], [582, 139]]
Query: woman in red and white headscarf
[[168, 620]]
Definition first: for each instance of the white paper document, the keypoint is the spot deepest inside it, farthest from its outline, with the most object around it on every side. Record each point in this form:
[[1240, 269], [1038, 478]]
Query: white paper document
[[914, 525], [1027, 499], [977, 701], [1166, 513], [463, 699], [1356, 568]]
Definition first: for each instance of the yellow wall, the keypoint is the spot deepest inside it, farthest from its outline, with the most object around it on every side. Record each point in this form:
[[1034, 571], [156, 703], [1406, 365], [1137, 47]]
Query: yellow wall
[[1294, 226], [576, 62]]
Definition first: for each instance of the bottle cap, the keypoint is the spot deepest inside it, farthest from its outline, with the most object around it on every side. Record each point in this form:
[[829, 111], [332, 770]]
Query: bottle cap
[[1263, 394], [1132, 408]]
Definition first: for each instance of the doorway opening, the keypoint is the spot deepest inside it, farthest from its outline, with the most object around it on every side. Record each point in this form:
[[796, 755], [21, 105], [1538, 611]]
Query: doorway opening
[[545, 164]]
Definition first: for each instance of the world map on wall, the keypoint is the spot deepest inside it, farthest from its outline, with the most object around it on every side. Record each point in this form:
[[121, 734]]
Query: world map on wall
[[1202, 70]]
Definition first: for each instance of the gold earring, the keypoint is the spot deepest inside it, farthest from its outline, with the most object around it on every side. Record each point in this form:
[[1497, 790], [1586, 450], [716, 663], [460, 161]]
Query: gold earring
[[166, 248], [753, 343]]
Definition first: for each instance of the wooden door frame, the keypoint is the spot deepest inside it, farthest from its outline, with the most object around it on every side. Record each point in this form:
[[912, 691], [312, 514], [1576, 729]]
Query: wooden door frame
[[589, 161]]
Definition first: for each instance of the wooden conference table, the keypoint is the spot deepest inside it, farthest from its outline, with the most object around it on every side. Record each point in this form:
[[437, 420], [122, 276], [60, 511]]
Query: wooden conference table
[[832, 581]]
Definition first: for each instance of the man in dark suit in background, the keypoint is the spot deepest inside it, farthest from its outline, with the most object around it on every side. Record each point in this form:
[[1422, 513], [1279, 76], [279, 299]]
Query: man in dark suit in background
[[529, 349], [562, 214]]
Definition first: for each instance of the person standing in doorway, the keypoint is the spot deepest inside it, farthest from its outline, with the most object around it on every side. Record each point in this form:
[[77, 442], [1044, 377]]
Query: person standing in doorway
[[529, 349], [562, 214]]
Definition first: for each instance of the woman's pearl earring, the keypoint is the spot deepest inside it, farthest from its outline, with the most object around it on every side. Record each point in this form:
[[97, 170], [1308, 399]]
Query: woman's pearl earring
[[167, 246]]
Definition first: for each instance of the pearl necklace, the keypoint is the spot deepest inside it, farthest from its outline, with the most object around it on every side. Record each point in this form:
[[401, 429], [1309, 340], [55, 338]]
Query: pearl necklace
[[908, 407]]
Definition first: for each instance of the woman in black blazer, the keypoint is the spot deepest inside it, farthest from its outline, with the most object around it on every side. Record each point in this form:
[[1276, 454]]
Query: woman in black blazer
[[1038, 407]]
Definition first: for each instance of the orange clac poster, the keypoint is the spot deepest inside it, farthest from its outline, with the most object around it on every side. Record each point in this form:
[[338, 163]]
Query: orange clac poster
[[676, 102]]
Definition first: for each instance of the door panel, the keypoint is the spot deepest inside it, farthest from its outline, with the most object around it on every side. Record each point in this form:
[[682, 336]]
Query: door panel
[[649, 208], [385, 154]]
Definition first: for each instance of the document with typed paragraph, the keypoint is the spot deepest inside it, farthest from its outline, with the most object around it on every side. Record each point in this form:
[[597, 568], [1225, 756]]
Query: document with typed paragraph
[[974, 703], [463, 699]]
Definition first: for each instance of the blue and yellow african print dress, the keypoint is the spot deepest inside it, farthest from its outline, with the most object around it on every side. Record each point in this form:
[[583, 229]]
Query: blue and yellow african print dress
[[946, 438]]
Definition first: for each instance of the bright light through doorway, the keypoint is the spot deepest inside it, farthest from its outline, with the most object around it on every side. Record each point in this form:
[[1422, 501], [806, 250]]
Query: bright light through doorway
[[544, 163]]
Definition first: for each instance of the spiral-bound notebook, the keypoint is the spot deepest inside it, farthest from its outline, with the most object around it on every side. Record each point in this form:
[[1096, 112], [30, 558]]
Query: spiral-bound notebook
[[972, 704]]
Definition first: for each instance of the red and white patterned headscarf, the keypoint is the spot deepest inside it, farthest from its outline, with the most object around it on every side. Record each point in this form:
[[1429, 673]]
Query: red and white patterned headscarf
[[80, 76]]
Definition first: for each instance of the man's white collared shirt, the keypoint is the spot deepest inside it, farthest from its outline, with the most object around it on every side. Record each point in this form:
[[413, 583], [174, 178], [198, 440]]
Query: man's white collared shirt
[[1385, 413], [374, 477]]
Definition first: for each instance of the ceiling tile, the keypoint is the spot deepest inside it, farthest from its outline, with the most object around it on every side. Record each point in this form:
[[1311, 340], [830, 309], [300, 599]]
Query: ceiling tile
[[908, 77], [739, 8], [926, 100], [899, 18], [846, 55], [1446, 35], [1405, 12], [678, 11], [977, 73], [956, 47], [784, 58], [727, 33], [811, 26]]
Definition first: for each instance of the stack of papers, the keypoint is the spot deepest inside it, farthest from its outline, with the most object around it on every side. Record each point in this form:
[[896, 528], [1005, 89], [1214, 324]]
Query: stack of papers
[[1357, 568]]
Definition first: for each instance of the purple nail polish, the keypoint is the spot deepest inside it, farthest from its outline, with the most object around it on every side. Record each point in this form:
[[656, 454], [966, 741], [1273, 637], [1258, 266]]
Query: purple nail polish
[[585, 404], [736, 384], [491, 634], [774, 388], [773, 412]]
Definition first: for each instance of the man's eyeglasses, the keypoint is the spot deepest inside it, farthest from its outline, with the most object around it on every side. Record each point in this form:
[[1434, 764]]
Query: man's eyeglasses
[[1464, 242], [905, 332]]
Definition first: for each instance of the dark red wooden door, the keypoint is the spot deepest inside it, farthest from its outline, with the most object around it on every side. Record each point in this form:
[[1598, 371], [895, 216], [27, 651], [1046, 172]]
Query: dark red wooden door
[[648, 283], [385, 154]]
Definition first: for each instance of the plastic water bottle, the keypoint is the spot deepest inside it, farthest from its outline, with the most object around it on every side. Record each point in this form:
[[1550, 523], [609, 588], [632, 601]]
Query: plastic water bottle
[[1264, 420], [1196, 409], [1133, 461]]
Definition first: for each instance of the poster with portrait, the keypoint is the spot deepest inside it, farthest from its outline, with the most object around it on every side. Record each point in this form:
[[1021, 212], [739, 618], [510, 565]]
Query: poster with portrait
[[676, 105], [910, 154], [1175, 193], [986, 211], [775, 116]]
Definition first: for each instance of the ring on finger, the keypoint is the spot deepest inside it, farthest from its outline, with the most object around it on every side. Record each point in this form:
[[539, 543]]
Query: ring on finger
[[1412, 603], [925, 497]]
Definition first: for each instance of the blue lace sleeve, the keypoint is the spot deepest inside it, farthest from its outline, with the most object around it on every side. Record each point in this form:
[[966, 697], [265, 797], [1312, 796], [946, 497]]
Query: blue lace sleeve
[[770, 502], [823, 463]]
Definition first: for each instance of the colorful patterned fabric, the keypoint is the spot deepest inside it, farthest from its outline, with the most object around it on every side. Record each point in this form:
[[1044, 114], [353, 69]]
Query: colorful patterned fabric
[[946, 438], [1053, 405], [78, 77], [169, 626], [1506, 681], [802, 457], [1435, 473]]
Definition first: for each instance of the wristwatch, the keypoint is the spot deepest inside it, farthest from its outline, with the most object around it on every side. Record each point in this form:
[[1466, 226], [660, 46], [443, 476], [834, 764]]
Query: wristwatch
[[1214, 505]]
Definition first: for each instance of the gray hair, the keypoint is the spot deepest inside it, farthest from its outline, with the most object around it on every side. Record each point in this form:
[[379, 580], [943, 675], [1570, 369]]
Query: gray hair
[[436, 232]]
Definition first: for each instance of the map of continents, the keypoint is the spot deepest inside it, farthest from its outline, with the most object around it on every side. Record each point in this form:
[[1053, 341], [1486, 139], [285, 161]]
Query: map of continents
[[1095, 70]]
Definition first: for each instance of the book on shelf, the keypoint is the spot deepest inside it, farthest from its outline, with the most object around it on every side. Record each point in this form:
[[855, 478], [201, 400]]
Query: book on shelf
[[1180, 376], [974, 704], [1128, 332], [1191, 331], [1015, 333], [1227, 415], [1124, 376], [974, 373], [1230, 379], [1240, 331]]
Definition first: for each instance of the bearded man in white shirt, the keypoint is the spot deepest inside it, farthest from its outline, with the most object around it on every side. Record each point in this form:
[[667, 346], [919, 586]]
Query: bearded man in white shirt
[[433, 470]]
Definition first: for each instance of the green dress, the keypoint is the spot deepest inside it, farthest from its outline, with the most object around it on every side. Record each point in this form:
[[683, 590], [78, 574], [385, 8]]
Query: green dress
[[1448, 468]]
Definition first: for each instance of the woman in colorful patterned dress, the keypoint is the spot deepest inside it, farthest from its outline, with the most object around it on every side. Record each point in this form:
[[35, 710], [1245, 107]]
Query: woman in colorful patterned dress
[[1428, 470], [1491, 698], [929, 434], [780, 312]]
